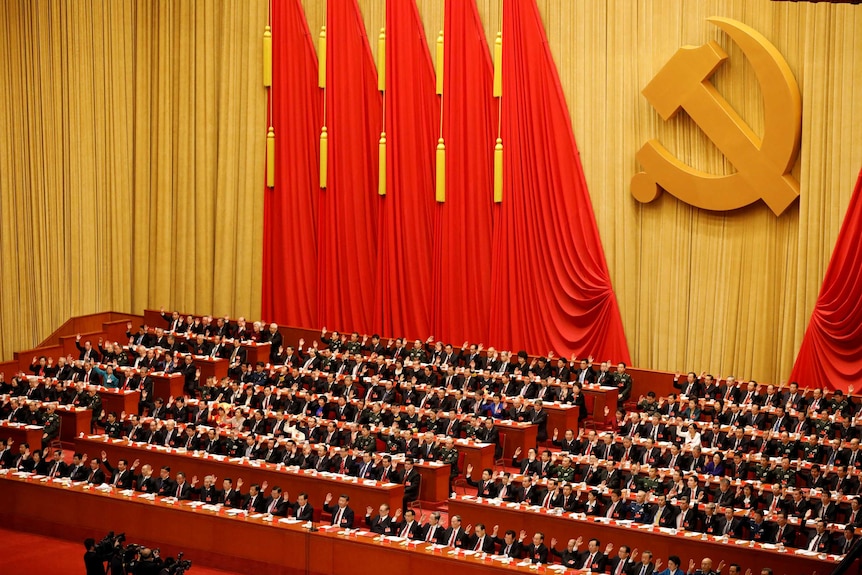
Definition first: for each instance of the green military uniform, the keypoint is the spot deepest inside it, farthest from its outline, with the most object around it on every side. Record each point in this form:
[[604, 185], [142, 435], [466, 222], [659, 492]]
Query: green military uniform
[[654, 485], [786, 477], [354, 347], [763, 472], [565, 473], [366, 443], [417, 354], [648, 407], [788, 449], [450, 456], [51, 423], [123, 359], [471, 432], [810, 452]]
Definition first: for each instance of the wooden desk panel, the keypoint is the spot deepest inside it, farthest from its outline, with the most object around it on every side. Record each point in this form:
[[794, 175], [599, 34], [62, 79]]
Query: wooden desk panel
[[480, 456], [74, 422], [120, 401], [316, 486], [256, 352], [662, 545], [239, 544], [435, 482], [20, 434], [166, 386], [211, 368], [523, 436]]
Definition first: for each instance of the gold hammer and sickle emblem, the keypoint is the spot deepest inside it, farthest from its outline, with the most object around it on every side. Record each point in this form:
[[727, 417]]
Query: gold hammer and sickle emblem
[[763, 165]]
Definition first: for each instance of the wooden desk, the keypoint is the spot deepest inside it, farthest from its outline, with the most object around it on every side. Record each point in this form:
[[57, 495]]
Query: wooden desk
[[597, 398], [479, 455], [120, 401], [73, 422], [518, 435], [210, 367], [20, 433], [255, 546], [561, 417], [662, 545], [256, 352], [317, 486], [435, 481], [166, 386]]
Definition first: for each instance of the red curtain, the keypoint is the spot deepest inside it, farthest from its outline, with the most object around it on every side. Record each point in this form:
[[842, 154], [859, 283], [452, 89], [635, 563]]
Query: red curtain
[[831, 352], [408, 218], [463, 294], [290, 208], [550, 284], [347, 229]]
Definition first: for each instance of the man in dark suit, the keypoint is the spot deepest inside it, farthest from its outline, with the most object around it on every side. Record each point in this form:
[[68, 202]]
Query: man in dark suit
[[783, 533], [231, 497], [509, 544], [302, 510], [276, 504], [487, 487], [412, 482], [183, 490], [96, 476], [455, 535], [208, 492], [482, 541], [540, 419], [433, 531], [729, 526], [342, 515], [382, 523], [528, 466], [622, 564], [409, 528], [255, 502], [645, 566], [593, 558], [537, 552], [820, 540], [121, 477]]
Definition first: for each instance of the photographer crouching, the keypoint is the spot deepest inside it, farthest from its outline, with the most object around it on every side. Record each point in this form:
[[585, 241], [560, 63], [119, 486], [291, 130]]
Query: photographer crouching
[[130, 559]]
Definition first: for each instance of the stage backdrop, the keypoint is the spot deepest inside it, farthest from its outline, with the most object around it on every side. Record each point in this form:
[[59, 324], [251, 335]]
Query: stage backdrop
[[145, 172]]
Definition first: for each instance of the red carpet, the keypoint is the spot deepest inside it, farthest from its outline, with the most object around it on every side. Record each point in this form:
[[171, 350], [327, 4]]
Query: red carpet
[[25, 553]]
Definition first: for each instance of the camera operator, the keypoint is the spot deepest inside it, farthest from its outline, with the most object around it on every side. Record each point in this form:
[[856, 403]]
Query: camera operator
[[93, 560], [147, 562]]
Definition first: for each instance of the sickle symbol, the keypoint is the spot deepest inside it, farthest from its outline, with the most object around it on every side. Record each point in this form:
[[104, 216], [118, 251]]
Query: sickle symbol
[[763, 165]]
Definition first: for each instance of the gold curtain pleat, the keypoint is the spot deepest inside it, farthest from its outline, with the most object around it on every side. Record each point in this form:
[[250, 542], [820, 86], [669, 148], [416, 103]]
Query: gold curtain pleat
[[132, 173]]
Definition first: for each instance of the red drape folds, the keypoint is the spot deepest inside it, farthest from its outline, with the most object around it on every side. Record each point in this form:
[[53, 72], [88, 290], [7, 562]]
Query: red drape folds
[[290, 208], [408, 218], [347, 227], [469, 129], [831, 352], [550, 281]]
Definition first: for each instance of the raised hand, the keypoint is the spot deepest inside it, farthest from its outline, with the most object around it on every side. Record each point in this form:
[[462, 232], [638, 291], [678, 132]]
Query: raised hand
[[369, 511], [328, 498]]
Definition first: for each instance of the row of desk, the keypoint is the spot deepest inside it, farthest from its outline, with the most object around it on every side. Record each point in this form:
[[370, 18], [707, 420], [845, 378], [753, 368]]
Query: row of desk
[[240, 543], [253, 544], [687, 546]]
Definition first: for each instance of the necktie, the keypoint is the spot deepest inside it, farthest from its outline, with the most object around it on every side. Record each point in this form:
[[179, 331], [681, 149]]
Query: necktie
[[116, 478], [271, 506], [406, 530], [337, 520], [780, 536], [431, 530], [179, 490], [619, 568], [547, 503], [452, 538], [478, 544], [507, 550], [814, 543], [590, 560], [643, 570]]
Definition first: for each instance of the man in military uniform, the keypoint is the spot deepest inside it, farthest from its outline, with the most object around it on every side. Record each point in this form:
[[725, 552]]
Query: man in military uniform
[[113, 428], [448, 454], [565, 471], [353, 346], [784, 474], [653, 482], [93, 401], [623, 382], [366, 442], [51, 423]]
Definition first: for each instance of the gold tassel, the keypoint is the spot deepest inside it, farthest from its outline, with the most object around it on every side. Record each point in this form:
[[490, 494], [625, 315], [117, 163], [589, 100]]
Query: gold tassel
[[440, 62], [441, 170], [381, 60], [498, 171], [381, 164], [324, 155], [267, 56], [321, 58], [498, 65], [270, 158]]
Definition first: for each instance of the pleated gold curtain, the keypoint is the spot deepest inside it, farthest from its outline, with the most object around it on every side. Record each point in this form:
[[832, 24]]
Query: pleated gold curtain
[[131, 171]]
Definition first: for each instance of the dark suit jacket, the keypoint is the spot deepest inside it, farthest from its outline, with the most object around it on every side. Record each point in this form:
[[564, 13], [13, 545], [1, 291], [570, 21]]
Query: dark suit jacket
[[462, 540], [347, 515], [537, 554], [304, 514], [439, 535], [383, 526]]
